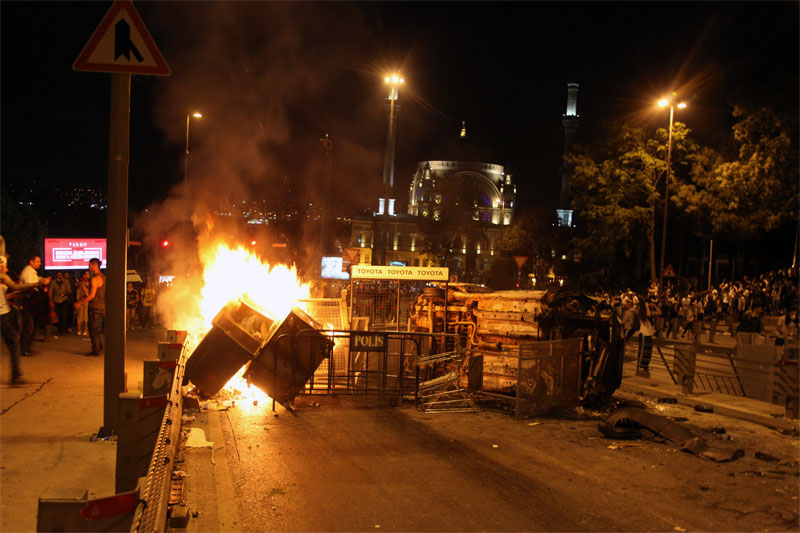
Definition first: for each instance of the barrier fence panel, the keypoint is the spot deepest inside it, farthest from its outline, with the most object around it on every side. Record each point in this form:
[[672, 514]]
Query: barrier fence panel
[[384, 294], [548, 376], [377, 362], [329, 313], [384, 302]]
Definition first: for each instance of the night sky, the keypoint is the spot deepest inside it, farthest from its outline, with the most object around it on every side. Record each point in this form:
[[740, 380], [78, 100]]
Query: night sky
[[272, 78]]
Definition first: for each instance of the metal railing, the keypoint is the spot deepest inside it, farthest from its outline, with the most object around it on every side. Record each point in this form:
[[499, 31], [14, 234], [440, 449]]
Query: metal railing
[[151, 512], [390, 372]]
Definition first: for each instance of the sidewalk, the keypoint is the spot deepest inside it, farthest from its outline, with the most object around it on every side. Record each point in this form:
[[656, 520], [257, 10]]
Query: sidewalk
[[660, 385], [46, 426]]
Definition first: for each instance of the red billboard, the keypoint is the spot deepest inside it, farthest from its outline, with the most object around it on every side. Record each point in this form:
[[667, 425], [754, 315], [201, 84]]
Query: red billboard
[[73, 253]]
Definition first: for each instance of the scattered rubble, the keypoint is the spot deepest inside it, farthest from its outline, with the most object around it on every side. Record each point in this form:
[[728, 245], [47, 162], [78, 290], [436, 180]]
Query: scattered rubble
[[632, 423]]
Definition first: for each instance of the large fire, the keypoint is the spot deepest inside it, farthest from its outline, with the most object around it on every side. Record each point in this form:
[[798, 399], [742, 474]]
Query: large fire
[[231, 274], [237, 273]]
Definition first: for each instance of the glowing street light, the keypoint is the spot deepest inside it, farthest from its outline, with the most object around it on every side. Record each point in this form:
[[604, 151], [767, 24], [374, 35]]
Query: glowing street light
[[664, 102], [186, 155]]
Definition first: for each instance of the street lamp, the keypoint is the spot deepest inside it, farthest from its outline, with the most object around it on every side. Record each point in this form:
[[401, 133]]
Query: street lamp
[[394, 81], [664, 102], [186, 155]]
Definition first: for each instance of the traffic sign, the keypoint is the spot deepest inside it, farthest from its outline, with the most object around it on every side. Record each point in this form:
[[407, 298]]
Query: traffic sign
[[121, 44], [520, 260], [669, 272], [351, 255]]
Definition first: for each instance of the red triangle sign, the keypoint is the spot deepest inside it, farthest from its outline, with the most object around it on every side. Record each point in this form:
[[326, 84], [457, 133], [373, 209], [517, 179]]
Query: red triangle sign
[[520, 260], [121, 44], [351, 255]]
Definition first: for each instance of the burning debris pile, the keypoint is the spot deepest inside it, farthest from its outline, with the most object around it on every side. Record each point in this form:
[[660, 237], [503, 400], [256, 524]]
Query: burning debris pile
[[247, 323], [280, 355]]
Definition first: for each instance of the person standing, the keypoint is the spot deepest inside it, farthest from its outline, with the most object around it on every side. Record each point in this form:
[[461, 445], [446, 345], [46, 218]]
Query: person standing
[[787, 328], [60, 290], [97, 307], [131, 301], [647, 312], [36, 309], [9, 325], [82, 311], [628, 319], [148, 297]]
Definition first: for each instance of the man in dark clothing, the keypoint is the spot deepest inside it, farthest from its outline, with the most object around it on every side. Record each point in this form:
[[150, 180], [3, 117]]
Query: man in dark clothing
[[97, 307], [60, 290], [9, 323], [750, 322]]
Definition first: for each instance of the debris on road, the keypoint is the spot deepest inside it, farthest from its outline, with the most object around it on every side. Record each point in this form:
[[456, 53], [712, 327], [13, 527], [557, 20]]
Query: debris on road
[[616, 446], [625, 423], [197, 439], [766, 457]]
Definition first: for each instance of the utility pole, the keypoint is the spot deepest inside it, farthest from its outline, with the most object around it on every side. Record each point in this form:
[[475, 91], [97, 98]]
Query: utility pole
[[327, 153]]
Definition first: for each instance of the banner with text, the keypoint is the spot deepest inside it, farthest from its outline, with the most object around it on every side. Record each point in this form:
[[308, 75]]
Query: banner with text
[[73, 253], [400, 272]]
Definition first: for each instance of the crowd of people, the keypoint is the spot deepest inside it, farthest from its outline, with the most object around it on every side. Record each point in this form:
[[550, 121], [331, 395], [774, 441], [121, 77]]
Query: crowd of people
[[69, 303], [739, 306]]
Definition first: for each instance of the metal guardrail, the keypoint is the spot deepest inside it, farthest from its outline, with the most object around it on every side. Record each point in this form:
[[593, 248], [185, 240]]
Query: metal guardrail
[[393, 371], [151, 512]]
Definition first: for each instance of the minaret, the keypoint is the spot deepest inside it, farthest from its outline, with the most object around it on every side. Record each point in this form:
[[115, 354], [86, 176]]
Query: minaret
[[570, 121], [392, 108]]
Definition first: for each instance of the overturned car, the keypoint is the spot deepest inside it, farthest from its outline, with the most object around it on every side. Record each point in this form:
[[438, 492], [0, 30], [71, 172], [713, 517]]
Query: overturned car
[[513, 339]]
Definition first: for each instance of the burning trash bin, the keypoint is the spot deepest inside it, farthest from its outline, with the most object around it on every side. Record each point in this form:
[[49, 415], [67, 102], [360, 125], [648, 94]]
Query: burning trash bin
[[235, 338], [281, 355], [286, 361]]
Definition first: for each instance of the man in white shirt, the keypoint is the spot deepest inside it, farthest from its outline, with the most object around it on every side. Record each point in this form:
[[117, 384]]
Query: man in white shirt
[[29, 275]]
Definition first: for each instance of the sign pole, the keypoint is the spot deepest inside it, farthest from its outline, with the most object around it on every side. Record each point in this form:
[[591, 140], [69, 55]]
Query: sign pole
[[116, 231]]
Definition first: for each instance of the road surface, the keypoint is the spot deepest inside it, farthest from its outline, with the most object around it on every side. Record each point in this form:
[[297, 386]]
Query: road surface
[[358, 465]]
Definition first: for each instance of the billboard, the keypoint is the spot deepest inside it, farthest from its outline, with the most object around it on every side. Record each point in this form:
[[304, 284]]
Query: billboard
[[332, 268], [72, 253]]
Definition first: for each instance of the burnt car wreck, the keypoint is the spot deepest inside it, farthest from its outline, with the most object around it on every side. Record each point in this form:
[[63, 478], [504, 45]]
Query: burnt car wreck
[[557, 348]]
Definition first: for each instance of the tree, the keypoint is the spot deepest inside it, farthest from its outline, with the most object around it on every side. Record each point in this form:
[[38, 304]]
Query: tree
[[531, 234], [753, 194], [616, 193]]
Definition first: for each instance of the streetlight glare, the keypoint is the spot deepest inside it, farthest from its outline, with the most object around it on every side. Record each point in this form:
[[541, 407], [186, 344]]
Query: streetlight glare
[[681, 105], [663, 102], [197, 115], [394, 79]]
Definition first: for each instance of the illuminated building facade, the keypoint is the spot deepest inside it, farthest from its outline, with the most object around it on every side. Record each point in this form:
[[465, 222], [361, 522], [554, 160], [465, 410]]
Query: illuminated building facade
[[485, 189], [465, 203]]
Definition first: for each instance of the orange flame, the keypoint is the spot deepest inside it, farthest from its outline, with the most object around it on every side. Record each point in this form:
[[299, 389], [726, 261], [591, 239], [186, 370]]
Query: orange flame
[[237, 273], [231, 274]]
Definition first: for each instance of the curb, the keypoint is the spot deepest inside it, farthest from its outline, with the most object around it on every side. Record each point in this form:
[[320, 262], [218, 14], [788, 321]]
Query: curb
[[691, 401]]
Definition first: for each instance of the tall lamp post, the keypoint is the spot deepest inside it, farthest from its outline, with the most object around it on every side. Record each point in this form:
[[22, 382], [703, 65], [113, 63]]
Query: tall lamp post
[[666, 103], [394, 81], [186, 155]]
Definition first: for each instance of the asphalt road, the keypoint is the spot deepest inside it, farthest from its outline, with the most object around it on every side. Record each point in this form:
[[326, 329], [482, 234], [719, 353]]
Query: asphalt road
[[354, 465]]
